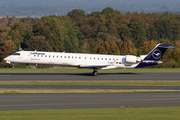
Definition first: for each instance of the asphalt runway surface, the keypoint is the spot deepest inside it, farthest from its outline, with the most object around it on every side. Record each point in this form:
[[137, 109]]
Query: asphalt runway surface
[[88, 76], [69, 101], [104, 100], [86, 87]]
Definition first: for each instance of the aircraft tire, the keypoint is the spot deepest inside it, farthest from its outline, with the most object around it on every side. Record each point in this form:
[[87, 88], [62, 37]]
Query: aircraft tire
[[95, 73]]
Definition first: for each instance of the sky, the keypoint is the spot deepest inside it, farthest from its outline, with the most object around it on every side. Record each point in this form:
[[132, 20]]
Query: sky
[[62, 7]]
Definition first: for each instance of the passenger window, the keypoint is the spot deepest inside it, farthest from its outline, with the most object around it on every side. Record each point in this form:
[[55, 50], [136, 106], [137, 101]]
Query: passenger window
[[90, 58], [76, 57], [109, 58], [57, 56], [41, 55], [72, 57], [98, 58], [45, 55], [94, 58], [37, 55], [49, 56], [113, 59], [68, 56], [34, 55], [101, 58], [61, 56], [64, 56], [85, 57], [79, 57]]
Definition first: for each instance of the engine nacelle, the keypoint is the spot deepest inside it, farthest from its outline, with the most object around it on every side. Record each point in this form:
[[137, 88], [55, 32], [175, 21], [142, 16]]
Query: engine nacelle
[[142, 56], [132, 59]]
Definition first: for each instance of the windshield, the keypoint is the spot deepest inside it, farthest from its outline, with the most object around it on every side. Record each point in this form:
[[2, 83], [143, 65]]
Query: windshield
[[16, 54]]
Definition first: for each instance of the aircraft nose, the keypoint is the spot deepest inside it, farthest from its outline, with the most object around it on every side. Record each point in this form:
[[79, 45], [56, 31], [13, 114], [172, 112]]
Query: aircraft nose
[[5, 59]]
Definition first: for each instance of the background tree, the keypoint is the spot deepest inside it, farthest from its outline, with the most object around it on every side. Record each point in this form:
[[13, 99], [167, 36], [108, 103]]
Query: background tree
[[6, 48], [38, 43], [53, 29], [138, 32], [147, 46], [76, 13], [109, 10], [128, 48], [106, 32], [5, 34]]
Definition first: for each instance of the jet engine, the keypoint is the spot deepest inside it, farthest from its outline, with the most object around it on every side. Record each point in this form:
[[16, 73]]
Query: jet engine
[[132, 59]]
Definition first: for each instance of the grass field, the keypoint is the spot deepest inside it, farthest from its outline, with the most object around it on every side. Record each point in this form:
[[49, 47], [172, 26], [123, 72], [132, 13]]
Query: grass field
[[94, 82], [77, 91], [141, 113], [4, 70]]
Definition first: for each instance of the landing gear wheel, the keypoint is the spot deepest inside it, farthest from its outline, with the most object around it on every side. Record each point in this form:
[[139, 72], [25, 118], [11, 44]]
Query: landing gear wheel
[[13, 65], [95, 73]]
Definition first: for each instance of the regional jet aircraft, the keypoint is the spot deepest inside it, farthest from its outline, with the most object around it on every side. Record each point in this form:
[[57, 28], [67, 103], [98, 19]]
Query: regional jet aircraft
[[92, 61]]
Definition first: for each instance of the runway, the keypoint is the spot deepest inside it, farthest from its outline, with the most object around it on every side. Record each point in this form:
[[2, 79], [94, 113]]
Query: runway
[[88, 76], [87, 87], [104, 100], [69, 101]]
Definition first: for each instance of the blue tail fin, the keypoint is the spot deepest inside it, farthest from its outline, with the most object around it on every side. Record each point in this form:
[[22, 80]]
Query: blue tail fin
[[154, 56], [158, 52]]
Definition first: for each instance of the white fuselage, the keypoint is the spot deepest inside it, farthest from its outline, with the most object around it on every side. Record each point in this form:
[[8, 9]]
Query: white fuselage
[[99, 61], [92, 61]]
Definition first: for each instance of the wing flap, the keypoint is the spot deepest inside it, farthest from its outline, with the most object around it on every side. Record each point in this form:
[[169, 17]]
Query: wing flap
[[98, 66], [92, 66]]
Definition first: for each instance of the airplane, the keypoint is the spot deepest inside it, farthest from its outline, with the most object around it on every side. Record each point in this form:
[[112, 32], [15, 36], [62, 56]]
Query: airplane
[[92, 61]]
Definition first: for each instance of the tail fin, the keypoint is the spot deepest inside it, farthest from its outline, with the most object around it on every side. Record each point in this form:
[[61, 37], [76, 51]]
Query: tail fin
[[154, 56], [158, 52]]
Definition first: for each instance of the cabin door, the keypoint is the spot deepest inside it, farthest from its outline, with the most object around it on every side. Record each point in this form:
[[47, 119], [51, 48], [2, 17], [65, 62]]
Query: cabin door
[[26, 56]]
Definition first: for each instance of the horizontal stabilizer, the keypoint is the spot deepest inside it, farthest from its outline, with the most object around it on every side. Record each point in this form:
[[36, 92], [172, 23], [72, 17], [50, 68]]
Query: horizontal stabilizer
[[166, 46]]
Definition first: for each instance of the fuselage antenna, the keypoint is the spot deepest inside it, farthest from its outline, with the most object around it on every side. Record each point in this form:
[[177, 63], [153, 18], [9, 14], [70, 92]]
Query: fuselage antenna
[[19, 49]]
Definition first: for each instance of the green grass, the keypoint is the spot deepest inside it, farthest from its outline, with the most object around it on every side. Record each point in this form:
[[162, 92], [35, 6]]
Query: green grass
[[94, 82], [65, 91], [142, 113], [4, 70]]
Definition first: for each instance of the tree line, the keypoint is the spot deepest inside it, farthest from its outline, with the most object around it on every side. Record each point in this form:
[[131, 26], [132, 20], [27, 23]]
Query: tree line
[[105, 32]]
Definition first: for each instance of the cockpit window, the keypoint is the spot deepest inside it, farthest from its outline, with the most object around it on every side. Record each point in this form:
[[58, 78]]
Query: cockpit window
[[16, 54]]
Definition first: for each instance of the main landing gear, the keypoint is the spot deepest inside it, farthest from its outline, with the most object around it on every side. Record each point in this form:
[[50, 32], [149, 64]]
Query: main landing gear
[[13, 65], [95, 72]]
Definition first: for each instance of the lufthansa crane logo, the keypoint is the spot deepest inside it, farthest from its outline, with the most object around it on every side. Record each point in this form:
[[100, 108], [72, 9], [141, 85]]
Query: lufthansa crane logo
[[156, 54]]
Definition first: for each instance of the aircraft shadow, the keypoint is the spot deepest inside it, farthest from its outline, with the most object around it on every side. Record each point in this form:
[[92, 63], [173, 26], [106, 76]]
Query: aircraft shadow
[[79, 74]]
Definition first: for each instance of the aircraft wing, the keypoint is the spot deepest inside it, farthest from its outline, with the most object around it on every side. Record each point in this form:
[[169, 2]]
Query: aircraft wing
[[92, 66], [98, 66], [107, 66]]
